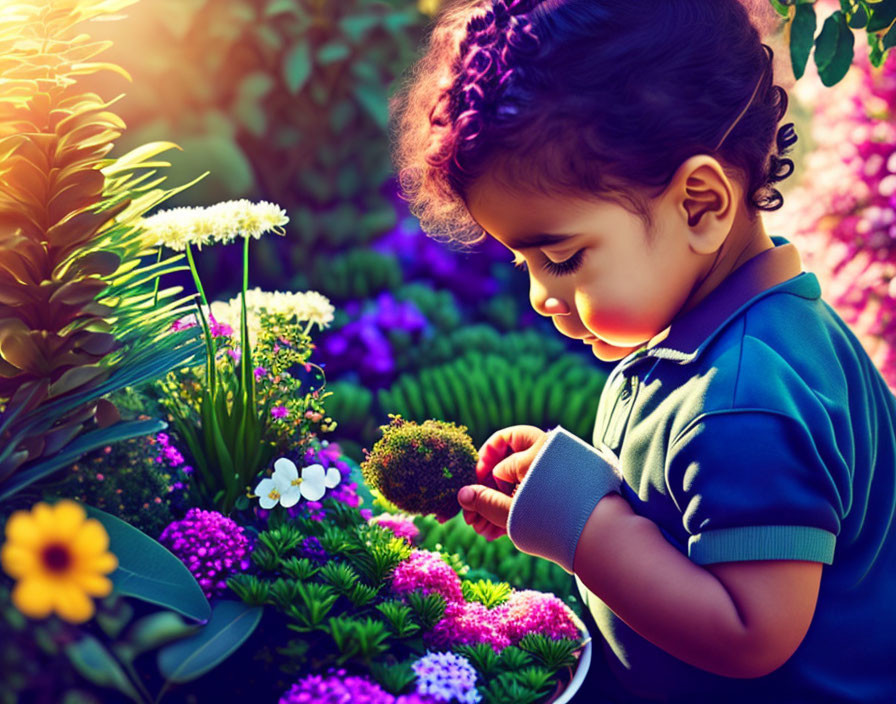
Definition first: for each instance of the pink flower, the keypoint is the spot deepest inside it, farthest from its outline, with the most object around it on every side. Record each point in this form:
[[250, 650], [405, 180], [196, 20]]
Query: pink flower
[[428, 572], [529, 611], [468, 622], [279, 412], [401, 524]]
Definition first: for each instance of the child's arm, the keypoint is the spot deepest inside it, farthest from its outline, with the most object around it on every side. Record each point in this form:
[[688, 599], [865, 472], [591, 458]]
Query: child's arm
[[737, 619]]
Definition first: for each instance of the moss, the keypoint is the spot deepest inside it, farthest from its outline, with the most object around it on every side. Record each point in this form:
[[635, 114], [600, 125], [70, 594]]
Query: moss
[[421, 467]]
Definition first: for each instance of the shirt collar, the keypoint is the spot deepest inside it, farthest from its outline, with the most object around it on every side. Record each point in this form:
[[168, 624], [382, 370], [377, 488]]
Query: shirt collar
[[775, 270]]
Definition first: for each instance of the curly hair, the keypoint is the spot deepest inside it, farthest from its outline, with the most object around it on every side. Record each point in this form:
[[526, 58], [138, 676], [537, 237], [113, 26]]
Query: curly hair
[[595, 98]]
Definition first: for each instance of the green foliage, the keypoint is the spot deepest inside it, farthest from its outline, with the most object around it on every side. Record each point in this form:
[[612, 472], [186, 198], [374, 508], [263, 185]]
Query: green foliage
[[514, 658], [487, 392], [486, 592], [356, 638], [421, 467], [314, 601], [482, 656], [834, 45], [356, 274], [398, 616], [300, 568], [125, 480], [393, 677], [553, 654], [374, 552], [439, 307], [148, 571], [282, 539], [428, 608], [250, 589], [290, 105]]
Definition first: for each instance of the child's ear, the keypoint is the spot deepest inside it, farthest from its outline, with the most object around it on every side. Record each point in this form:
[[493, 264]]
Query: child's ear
[[706, 200]]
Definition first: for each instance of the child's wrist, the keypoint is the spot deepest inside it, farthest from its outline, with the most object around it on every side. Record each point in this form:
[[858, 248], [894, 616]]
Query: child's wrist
[[553, 502]]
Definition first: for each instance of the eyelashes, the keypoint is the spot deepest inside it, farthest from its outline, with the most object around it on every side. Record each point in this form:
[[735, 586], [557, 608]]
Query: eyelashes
[[563, 268]]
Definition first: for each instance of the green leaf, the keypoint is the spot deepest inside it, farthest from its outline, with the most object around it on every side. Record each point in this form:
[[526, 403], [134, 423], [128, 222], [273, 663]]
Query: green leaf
[[297, 66], [332, 52], [78, 447], [373, 100], [836, 68], [231, 623], [779, 8], [98, 665], [155, 630], [802, 34], [149, 572], [882, 15], [859, 18], [889, 39], [826, 44]]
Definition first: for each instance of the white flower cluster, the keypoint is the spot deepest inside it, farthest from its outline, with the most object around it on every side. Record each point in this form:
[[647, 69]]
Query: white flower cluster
[[286, 487], [223, 222], [306, 306]]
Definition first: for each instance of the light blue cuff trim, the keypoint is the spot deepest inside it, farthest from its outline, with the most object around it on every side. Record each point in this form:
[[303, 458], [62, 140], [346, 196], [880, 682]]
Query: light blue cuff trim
[[762, 543], [563, 485]]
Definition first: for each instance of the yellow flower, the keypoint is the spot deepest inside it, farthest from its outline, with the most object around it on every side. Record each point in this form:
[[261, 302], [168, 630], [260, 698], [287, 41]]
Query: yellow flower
[[60, 559]]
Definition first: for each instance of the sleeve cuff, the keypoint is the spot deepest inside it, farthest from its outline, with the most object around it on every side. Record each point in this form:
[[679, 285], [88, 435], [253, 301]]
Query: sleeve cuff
[[762, 543], [553, 502]]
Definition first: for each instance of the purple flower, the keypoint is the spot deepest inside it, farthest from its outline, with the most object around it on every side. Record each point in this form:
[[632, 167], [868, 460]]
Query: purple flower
[[336, 688], [212, 546], [279, 412], [235, 355], [218, 329], [260, 372], [446, 677], [428, 572], [311, 548]]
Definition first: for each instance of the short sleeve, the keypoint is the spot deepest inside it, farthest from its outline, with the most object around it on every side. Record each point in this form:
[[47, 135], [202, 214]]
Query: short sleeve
[[752, 485]]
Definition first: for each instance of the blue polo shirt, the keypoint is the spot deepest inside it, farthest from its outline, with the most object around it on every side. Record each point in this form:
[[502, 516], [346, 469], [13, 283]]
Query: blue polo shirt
[[759, 429]]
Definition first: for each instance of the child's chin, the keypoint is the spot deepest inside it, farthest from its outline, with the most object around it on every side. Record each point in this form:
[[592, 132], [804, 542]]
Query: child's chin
[[606, 352]]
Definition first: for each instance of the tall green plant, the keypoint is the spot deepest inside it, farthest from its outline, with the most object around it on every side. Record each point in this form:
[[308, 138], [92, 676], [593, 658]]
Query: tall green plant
[[78, 317]]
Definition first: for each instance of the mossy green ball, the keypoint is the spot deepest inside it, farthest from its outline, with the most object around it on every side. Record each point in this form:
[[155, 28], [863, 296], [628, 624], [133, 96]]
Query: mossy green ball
[[421, 467]]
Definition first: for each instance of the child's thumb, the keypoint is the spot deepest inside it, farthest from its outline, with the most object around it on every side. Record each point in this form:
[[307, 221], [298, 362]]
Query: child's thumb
[[488, 503], [507, 471]]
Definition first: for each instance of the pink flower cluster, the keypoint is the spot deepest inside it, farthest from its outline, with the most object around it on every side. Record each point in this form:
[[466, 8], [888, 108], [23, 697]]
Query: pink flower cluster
[[428, 572], [401, 524], [465, 622], [212, 546]]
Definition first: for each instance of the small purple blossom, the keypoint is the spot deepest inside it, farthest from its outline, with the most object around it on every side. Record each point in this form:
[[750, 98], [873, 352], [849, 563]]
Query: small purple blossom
[[235, 355], [259, 373], [212, 546], [336, 689], [446, 677], [311, 548], [218, 329], [279, 412]]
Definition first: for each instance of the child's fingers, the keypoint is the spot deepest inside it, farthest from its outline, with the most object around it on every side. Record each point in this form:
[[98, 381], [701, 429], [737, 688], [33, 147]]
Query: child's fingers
[[492, 505]]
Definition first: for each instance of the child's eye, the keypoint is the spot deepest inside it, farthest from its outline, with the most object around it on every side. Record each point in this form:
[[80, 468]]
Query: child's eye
[[520, 263], [565, 267]]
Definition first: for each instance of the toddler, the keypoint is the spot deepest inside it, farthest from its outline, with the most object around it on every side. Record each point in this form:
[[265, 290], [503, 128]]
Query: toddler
[[730, 527]]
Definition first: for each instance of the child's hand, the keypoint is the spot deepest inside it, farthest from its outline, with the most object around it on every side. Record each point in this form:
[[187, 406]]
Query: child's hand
[[504, 460]]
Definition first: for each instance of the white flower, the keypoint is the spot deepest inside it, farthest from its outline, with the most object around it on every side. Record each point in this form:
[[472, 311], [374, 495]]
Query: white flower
[[178, 227], [312, 485], [271, 491], [315, 308]]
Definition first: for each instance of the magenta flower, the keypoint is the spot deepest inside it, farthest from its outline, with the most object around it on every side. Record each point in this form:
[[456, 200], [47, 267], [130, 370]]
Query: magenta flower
[[212, 546], [530, 611], [336, 688], [468, 623], [279, 412], [259, 373], [399, 523], [428, 572]]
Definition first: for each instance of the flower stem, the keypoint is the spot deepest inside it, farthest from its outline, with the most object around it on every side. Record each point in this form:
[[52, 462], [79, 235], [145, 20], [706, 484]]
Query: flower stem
[[209, 342], [155, 292]]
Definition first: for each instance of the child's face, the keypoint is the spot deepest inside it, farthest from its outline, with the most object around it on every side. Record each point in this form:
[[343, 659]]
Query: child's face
[[615, 286]]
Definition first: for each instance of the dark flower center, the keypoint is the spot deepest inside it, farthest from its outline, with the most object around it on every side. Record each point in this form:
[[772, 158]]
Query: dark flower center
[[56, 557]]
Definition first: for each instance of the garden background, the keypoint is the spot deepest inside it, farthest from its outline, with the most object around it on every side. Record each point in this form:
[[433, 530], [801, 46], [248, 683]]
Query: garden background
[[286, 101]]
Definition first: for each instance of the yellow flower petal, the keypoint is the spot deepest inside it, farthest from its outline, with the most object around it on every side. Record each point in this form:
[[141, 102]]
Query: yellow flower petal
[[92, 583], [90, 538], [68, 517], [103, 563], [21, 528], [44, 518], [18, 560], [33, 596], [72, 604]]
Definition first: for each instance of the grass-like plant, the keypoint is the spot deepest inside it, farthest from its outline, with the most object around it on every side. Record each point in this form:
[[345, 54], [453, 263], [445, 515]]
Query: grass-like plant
[[79, 312]]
